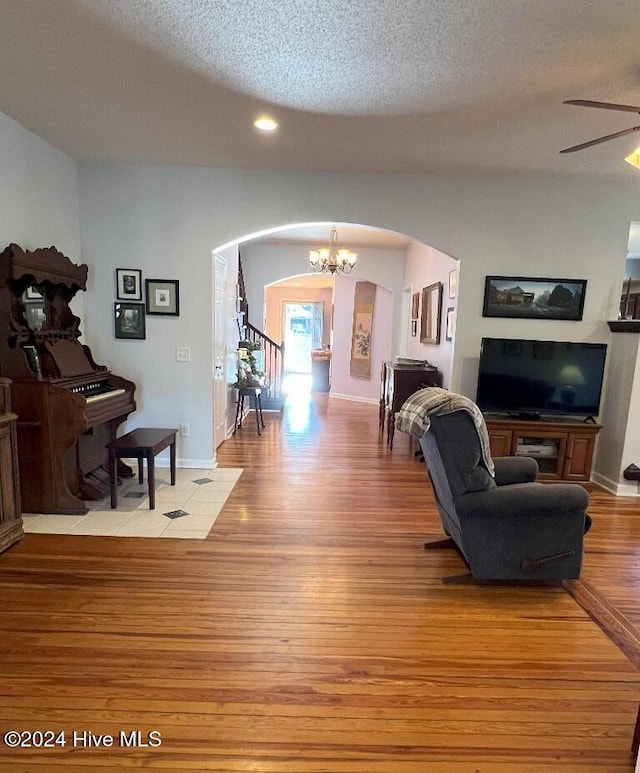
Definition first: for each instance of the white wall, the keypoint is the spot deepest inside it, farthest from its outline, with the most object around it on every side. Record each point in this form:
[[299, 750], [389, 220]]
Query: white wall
[[619, 440], [39, 195], [166, 221], [264, 264]]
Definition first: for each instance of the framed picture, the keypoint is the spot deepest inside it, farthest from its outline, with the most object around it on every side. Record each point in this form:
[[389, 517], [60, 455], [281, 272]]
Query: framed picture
[[129, 320], [453, 283], [431, 310], [533, 297], [128, 284], [451, 319], [163, 296], [415, 306], [414, 327]]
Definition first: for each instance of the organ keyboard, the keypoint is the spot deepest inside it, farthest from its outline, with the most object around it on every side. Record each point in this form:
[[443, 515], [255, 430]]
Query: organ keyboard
[[96, 391], [109, 393]]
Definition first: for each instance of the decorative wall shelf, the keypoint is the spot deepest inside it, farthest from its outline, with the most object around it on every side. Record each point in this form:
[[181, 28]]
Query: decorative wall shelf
[[624, 325]]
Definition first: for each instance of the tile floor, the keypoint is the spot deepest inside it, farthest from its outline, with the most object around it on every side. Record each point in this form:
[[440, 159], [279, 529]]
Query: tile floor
[[199, 494]]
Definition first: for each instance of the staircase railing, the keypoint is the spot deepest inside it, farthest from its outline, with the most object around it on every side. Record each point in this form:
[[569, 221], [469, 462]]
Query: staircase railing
[[273, 362], [243, 307], [273, 352]]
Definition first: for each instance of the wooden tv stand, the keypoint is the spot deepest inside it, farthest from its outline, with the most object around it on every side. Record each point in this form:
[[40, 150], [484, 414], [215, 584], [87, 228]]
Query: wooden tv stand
[[563, 449]]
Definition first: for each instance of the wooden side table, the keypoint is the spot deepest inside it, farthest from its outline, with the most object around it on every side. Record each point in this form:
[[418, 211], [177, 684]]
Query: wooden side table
[[249, 393], [142, 443]]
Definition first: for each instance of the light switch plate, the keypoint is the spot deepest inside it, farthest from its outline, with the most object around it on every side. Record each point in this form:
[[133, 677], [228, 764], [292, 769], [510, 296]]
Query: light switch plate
[[183, 354]]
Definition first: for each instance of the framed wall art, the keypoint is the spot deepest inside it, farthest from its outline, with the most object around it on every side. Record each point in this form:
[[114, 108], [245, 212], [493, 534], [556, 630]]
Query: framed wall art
[[453, 283], [450, 324], [431, 310], [533, 297], [363, 307], [415, 306], [129, 320], [128, 284], [163, 296]]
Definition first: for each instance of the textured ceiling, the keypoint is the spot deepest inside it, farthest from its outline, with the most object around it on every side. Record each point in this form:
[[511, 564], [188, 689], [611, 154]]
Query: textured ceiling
[[410, 86]]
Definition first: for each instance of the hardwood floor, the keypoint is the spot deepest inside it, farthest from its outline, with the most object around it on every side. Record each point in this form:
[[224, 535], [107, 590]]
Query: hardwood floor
[[311, 632]]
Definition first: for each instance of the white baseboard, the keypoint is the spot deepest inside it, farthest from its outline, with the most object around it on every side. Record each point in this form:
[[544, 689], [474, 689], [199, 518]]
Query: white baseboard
[[629, 489], [368, 400]]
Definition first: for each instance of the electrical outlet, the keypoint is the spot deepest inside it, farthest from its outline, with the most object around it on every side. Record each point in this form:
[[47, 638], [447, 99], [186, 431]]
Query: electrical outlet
[[183, 354], [185, 430]]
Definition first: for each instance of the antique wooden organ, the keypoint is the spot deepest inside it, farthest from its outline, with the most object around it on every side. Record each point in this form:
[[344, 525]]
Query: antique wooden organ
[[68, 407]]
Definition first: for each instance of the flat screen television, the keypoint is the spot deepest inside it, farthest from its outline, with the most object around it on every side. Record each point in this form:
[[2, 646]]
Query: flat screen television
[[532, 379]]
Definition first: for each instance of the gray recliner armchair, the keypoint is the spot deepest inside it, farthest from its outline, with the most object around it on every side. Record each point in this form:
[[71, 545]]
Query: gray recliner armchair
[[506, 525]]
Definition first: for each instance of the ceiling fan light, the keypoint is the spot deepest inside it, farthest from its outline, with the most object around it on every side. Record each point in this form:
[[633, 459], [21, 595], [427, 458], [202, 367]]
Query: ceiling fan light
[[634, 158]]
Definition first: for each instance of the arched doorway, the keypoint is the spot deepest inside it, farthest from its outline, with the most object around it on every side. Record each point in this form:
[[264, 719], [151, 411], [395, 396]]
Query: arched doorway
[[395, 262]]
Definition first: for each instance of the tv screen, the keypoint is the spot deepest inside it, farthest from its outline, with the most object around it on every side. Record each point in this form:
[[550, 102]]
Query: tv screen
[[524, 377]]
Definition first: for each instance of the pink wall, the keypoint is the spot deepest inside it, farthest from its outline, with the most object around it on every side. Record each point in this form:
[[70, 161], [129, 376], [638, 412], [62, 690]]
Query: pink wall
[[424, 266], [274, 297], [342, 384]]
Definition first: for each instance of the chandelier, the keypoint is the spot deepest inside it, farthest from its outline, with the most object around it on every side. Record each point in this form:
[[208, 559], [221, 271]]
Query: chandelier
[[331, 260]]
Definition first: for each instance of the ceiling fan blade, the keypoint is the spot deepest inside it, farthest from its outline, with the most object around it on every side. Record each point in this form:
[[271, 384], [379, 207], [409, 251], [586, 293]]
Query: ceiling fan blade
[[601, 139], [605, 105]]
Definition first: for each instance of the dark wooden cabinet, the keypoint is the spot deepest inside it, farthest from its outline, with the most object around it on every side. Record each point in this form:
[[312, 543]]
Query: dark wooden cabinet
[[563, 449], [397, 383], [10, 512]]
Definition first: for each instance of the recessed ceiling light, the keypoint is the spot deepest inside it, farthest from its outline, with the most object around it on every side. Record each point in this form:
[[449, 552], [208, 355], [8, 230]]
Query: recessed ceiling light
[[265, 123]]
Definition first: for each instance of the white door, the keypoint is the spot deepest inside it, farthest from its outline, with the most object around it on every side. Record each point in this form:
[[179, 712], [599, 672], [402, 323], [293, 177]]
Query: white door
[[219, 351]]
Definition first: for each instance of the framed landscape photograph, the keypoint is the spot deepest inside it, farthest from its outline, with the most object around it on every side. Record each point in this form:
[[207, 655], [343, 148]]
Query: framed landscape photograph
[[533, 297], [128, 284], [163, 296], [129, 320]]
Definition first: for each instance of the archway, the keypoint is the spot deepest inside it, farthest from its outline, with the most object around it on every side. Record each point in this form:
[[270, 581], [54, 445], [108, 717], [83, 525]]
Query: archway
[[395, 262]]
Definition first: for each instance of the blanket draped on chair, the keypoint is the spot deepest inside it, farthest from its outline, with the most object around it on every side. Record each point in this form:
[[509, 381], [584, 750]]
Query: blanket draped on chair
[[413, 417]]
